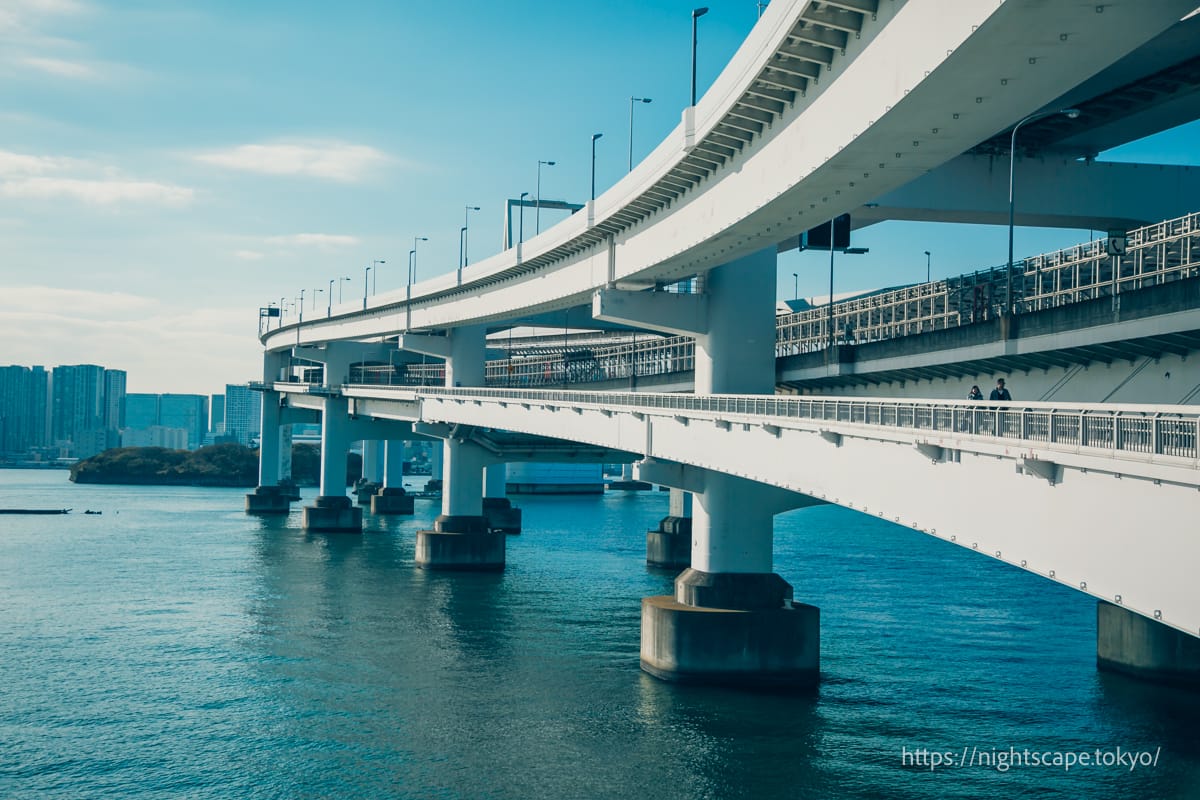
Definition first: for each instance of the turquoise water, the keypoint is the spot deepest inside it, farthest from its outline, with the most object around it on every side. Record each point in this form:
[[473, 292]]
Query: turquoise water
[[175, 647]]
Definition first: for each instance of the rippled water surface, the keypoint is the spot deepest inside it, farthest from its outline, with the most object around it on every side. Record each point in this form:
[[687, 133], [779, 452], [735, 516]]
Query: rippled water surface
[[175, 647]]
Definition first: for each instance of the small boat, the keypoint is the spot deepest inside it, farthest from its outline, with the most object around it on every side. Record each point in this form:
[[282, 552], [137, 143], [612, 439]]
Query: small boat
[[89, 511], [35, 511]]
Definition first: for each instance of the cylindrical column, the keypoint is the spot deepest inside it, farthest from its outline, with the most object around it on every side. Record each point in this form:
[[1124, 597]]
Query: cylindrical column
[[393, 464], [268, 445], [462, 482], [730, 534], [372, 462], [285, 452], [335, 444]]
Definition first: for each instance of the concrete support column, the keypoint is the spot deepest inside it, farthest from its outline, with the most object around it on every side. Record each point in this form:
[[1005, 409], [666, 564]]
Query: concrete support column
[[333, 510], [1144, 648], [731, 619], [460, 538], [436, 465], [502, 516], [268, 497], [372, 471], [670, 545], [391, 497]]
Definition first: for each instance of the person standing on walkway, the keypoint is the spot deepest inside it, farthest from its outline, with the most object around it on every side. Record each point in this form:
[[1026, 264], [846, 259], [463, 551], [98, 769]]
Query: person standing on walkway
[[1000, 392]]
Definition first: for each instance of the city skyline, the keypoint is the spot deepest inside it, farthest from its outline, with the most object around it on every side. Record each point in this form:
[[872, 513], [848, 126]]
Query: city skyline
[[166, 170]]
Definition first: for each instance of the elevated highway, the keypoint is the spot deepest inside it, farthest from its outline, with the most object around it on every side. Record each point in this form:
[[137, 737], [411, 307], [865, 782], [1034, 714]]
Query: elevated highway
[[826, 107]]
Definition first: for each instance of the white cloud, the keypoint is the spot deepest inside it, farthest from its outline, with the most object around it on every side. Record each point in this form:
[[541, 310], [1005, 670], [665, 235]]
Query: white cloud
[[248, 255], [336, 161], [61, 68], [322, 240], [23, 164], [99, 192]]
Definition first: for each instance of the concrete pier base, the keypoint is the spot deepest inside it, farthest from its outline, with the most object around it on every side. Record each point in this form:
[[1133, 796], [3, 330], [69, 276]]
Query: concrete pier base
[[460, 543], [670, 545], [501, 515], [334, 514], [364, 490], [268, 500], [1134, 645], [629, 486], [392, 500], [731, 629]]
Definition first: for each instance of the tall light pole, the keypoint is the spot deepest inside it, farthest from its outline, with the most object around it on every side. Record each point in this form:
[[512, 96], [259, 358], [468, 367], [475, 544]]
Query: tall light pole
[[366, 274], [375, 276], [301, 306], [595, 136], [462, 242], [795, 285], [521, 224], [315, 293], [1071, 113], [329, 297], [927, 266], [633, 100], [412, 277], [696, 14], [537, 203], [341, 284]]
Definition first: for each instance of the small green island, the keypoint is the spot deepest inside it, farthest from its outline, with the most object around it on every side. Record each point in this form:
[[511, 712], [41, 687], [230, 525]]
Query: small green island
[[227, 464]]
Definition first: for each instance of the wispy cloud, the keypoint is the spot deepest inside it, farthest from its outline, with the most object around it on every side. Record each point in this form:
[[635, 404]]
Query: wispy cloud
[[322, 240], [335, 161], [249, 255], [23, 175], [61, 68]]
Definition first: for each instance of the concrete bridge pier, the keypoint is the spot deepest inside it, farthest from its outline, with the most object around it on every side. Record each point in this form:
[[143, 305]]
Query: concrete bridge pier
[[1131, 644], [372, 472], [460, 538], [731, 620], [391, 497], [502, 515], [333, 510], [670, 545], [268, 497]]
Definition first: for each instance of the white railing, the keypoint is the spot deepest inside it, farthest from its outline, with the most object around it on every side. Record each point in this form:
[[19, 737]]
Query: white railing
[[1141, 432]]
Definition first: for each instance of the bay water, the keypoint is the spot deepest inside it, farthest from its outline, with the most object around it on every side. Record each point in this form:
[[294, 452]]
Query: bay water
[[174, 647]]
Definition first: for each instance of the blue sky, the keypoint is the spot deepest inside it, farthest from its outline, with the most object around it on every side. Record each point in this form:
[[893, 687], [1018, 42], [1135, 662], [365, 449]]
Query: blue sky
[[168, 166]]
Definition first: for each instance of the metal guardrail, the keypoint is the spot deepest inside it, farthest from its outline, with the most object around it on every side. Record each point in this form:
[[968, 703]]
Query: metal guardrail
[[1144, 433]]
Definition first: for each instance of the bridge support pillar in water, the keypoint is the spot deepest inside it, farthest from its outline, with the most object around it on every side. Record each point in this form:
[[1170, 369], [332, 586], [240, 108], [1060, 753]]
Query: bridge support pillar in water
[[460, 538], [391, 497], [1144, 648], [333, 511], [269, 497], [670, 545], [502, 516]]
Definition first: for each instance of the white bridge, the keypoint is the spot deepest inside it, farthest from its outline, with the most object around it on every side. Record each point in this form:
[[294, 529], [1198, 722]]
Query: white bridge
[[828, 107]]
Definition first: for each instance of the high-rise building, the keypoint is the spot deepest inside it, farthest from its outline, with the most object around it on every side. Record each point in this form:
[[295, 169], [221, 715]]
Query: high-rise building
[[77, 401], [22, 408], [243, 413], [187, 411], [141, 411], [114, 399], [216, 411]]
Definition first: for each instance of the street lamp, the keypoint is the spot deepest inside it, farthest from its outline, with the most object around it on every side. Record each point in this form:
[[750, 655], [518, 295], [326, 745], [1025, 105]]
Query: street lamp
[[315, 293], [412, 276], [366, 274], [848, 251], [462, 242], [696, 14], [595, 136], [341, 284], [375, 277], [521, 224], [795, 285], [927, 266], [329, 296], [300, 305], [1071, 113], [633, 100], [537, 214]]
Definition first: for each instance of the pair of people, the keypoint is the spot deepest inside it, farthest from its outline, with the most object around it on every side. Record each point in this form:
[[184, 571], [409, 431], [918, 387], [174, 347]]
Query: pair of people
[[999, 393]]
